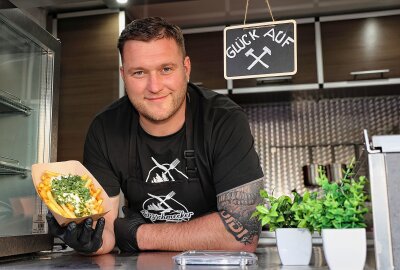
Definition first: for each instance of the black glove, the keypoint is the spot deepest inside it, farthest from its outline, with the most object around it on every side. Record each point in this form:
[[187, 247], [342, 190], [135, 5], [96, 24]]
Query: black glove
[[81, 237], [125, 230]]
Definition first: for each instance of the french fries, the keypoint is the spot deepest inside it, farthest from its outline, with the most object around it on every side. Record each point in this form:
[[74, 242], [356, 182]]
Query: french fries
[[67, 204]]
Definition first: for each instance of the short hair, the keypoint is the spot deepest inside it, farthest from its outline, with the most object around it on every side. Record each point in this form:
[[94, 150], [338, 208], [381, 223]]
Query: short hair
[[151, 28]]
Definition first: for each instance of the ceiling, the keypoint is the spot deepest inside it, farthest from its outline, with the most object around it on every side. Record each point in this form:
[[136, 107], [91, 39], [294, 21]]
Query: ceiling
[[192, 13]]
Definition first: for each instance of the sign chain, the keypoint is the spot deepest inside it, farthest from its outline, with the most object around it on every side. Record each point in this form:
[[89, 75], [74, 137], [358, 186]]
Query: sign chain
[[247, 7], [245, 14], [270, 11]]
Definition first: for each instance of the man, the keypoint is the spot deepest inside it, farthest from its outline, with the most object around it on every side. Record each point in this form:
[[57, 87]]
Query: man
[[183, 157]]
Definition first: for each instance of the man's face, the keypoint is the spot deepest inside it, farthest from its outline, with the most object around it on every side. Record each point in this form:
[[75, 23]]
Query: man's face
[[155, 75]]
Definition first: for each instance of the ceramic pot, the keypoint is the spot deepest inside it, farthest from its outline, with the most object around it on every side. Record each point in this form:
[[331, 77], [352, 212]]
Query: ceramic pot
[[294, 246], [345, 248]]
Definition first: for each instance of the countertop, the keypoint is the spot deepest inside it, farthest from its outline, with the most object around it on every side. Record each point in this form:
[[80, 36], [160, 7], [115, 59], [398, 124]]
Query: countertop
[[268, 258]]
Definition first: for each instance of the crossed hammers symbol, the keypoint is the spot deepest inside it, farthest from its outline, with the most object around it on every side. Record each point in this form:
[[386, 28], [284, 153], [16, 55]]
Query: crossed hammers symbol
[[258, 58]]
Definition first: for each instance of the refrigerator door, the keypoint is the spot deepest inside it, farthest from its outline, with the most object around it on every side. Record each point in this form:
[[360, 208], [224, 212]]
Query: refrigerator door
[[384, 174], [28, 113]]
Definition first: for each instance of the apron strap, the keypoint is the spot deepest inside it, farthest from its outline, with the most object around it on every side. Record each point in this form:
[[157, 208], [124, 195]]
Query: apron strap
[[190, 154], [132, 156]]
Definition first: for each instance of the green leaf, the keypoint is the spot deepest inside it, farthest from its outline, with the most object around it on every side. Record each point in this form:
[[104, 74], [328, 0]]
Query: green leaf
[[262, 209], [280, 219], [265, 220], [263, 193], [273, 213], [302, 224]]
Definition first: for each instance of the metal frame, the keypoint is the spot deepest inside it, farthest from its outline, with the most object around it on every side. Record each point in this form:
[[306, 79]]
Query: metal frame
[[380, 209], [319, 56], [121, 25], [17, 19], [383, 172], [12, 245]]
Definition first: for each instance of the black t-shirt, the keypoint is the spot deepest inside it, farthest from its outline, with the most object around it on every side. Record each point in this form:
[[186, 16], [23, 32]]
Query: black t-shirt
[[161, 159], [150, 170]]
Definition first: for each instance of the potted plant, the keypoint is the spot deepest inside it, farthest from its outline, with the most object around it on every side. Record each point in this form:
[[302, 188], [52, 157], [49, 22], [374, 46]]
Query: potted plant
[[284, 216], [338, 213]]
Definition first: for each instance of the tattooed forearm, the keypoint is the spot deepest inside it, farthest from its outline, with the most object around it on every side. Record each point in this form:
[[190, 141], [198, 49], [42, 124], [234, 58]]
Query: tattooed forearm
[[235, 208]]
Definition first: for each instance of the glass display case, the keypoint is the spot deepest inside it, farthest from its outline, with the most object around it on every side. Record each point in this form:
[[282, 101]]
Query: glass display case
[[29, 69]]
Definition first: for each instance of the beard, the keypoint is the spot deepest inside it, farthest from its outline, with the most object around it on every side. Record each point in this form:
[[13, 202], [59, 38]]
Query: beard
[[178, 98]]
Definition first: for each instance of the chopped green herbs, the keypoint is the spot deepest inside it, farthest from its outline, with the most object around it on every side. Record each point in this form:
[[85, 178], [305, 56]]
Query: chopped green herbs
[[71, 190]]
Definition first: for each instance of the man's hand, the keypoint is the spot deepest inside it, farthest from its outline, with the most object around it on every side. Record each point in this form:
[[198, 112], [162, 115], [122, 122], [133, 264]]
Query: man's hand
[[125, 230], [81, 237]]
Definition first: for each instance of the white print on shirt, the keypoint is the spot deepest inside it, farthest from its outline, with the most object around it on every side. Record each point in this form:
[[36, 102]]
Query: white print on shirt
[[162, 172], [165, 208]]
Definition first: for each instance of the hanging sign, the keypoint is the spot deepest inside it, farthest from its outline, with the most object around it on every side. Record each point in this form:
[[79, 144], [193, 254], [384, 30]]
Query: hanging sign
[[260, 50]]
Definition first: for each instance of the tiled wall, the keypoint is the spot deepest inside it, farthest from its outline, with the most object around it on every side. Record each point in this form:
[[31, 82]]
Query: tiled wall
[[289, 135]]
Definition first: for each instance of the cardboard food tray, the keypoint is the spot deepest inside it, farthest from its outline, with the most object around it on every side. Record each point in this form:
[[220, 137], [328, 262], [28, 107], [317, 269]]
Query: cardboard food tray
[[72, 167]]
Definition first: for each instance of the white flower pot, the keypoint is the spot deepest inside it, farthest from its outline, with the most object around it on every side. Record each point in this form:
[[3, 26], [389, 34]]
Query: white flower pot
[[294, 246], [345, 248]]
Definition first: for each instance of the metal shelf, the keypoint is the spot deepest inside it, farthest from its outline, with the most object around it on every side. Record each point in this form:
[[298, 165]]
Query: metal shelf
[[12, 104], [12, 168]]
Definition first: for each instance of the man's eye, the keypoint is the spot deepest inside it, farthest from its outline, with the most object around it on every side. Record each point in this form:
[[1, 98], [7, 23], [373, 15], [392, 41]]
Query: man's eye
[[167, 69], [138, 73]]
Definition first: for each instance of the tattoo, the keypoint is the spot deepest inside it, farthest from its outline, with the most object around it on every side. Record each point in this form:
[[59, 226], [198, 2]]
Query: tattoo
[[236, 207]]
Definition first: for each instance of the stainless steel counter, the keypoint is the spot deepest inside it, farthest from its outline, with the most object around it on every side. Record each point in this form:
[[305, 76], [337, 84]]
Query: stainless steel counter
[[268, 258]]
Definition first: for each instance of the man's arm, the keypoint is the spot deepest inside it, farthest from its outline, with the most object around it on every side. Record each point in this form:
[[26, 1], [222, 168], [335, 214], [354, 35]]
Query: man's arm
[[97, 161], [108, 233], [229, 229]]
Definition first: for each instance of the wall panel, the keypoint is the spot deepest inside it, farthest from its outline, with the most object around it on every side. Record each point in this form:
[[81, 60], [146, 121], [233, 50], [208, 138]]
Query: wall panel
[[89, 76], [289, 135]]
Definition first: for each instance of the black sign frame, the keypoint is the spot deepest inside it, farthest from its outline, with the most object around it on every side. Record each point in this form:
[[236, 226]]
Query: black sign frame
[[249, 43]]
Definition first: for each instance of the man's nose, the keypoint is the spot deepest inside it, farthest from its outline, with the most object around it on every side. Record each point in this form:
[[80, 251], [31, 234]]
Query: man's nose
[[154, 83]]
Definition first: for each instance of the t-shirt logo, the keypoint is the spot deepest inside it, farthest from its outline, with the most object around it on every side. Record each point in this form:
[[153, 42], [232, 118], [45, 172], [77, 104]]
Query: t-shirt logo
[[165, 208], [164, 172]]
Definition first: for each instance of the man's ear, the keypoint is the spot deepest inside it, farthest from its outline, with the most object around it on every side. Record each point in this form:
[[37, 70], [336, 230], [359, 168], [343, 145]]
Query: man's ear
[[121, 71], [188, 67]]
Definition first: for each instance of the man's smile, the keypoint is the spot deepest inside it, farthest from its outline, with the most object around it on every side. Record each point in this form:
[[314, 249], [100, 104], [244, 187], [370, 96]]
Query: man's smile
[[155, 99]]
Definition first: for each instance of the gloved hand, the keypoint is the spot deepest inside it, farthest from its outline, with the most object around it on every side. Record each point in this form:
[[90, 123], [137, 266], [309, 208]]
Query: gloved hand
[[81, 237], [125, 230]]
